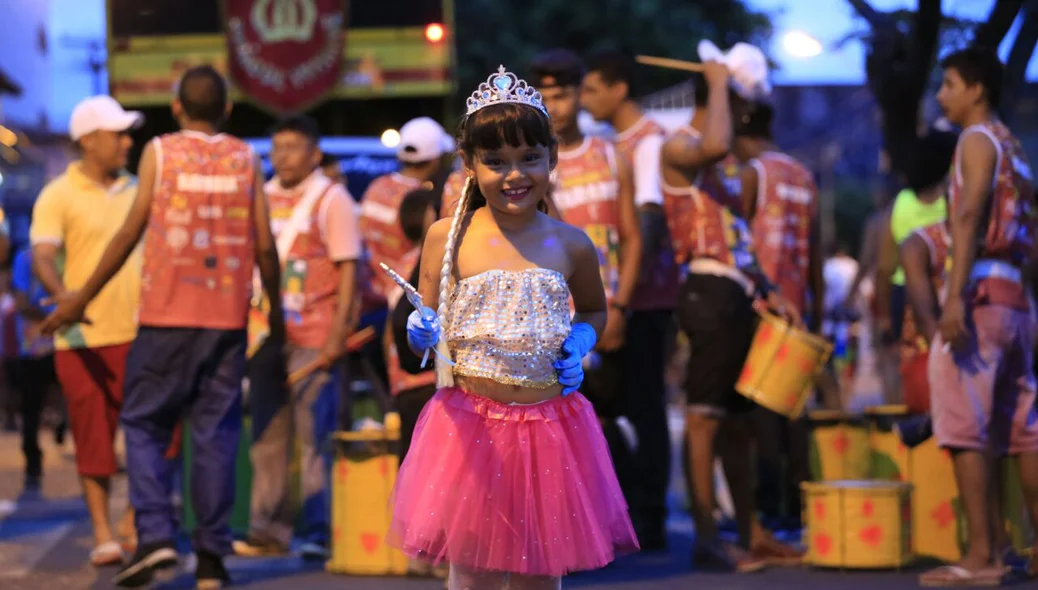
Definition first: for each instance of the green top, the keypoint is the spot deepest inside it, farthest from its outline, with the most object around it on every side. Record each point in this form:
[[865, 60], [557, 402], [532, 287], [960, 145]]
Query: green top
[[910, 214]]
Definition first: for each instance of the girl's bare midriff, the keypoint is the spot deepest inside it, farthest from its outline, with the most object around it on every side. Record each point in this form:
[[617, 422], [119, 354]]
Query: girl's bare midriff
[[506, 394]]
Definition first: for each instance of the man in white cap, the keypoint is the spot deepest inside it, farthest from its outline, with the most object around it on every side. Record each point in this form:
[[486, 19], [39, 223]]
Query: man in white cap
[[73, 220], [423, 143]]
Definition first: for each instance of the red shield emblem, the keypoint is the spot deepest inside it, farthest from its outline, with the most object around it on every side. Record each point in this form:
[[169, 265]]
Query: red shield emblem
[[285, 54]]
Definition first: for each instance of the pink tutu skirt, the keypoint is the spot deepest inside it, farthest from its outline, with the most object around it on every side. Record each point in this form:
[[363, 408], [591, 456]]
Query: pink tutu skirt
[[526, 489]]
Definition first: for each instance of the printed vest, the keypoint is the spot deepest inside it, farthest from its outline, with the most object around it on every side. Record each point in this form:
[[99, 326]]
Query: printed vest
[[310, 279], [199, 249], [379, 223], [704, 218], [1011, 223], [786, 204], [586, 191]]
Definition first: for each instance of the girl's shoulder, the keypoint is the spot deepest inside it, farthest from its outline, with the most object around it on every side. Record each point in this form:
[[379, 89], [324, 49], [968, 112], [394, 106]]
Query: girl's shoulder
[[575, 241], [571, 234]]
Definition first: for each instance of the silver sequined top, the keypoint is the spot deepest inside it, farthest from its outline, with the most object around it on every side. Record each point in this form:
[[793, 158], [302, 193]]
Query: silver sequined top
[[508, 326]]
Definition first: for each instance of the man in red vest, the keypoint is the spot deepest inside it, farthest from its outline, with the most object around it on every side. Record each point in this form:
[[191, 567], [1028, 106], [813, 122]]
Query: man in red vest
[[201, 200], [981, 367], [314, 221]]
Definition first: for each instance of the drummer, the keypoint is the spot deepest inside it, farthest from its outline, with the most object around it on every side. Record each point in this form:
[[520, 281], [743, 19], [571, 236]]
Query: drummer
[[715, 310], [780, 200], [925, 258]]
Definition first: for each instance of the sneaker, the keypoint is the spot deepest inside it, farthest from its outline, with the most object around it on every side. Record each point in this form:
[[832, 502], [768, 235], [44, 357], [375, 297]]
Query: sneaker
[[254, 546], [150, 559], [210, 574], [311, 551]]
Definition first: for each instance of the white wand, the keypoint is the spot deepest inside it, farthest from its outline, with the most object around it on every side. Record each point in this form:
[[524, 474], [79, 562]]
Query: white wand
[[415, 299]]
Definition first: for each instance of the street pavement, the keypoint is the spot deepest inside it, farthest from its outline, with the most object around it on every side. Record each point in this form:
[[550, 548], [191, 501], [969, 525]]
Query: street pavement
[[45, 542]]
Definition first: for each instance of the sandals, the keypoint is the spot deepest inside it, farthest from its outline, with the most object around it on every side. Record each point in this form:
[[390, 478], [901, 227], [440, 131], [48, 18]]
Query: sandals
[[725, 557], [775, 553], [106, 554], [954, 576]]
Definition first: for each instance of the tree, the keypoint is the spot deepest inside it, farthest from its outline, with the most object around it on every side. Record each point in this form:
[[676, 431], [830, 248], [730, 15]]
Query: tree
[[492, 32], [901, 53]]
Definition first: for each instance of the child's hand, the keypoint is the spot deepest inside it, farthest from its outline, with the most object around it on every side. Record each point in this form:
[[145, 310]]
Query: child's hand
[[423, 330], [580, 341]]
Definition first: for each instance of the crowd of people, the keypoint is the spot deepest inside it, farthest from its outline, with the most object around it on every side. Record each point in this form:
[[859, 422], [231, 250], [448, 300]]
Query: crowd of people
[[558, 272]]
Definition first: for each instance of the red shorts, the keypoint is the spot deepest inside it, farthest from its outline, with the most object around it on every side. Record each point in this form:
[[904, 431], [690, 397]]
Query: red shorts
[[984, 397], [92, 381]]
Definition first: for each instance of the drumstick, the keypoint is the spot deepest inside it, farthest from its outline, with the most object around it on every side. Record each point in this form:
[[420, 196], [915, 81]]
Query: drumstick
[[666, 62], [354, 342]]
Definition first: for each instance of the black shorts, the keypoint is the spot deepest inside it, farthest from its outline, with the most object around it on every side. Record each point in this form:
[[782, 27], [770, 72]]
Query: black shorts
[[718, 318]]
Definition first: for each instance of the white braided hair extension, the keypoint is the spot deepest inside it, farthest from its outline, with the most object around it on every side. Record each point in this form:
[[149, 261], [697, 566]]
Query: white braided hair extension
[[444, 372]]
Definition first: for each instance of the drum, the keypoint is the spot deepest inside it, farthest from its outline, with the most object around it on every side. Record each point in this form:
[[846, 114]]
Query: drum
[[780, 368], [362, 481], [839, 447], [858, 524], [939, 523], [888, 456]]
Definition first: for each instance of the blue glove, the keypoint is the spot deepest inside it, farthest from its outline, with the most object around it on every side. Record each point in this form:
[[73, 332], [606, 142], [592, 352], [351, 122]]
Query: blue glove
[[580, 341], [423, 330]]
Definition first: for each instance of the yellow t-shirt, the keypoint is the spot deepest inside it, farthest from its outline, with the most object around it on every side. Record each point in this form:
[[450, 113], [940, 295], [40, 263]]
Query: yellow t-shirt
[[910, 214], [82, 216]]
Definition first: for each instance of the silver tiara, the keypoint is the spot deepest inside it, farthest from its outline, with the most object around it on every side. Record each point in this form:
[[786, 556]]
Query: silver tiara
[[504, 87]]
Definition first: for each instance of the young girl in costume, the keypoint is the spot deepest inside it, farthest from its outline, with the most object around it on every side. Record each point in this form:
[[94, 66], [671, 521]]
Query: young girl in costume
[[508, 477]]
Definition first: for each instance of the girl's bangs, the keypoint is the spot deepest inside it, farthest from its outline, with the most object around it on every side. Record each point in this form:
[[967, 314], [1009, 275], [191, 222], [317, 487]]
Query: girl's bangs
[[493, 127]]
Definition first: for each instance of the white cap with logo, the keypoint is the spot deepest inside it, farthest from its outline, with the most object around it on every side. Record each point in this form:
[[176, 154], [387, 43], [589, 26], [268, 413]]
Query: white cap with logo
[[101, 113], [423, 139]]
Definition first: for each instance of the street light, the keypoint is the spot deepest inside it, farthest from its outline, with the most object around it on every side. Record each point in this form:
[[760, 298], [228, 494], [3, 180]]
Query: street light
[[800, 44], [434, 33], [390, 138]]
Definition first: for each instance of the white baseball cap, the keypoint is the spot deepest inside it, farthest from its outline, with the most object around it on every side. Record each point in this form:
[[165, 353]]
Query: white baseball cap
[[423, 139], [101, 113]]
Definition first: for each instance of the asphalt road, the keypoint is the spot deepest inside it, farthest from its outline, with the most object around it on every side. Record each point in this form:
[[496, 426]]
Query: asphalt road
[[45, 542]]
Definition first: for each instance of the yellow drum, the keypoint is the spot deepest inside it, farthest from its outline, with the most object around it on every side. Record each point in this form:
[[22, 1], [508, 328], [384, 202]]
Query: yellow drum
[[939, 524], [780, 368], [839, 448], [888, 455], [858, 524], [362, 479]]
